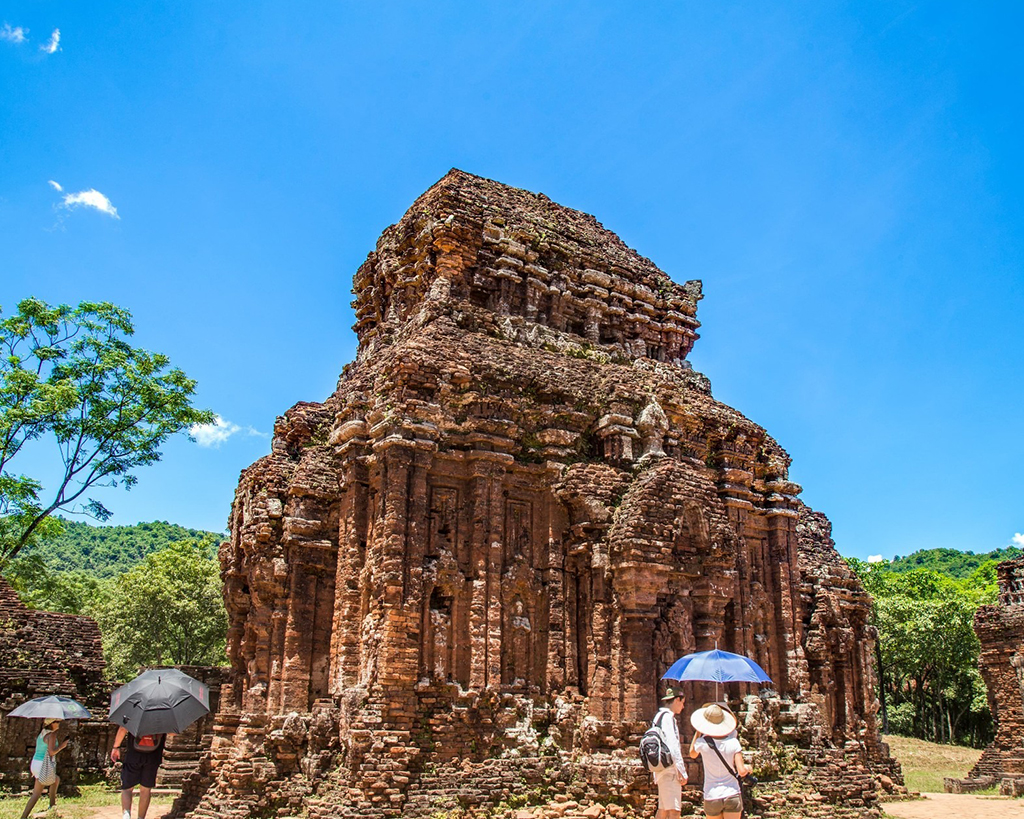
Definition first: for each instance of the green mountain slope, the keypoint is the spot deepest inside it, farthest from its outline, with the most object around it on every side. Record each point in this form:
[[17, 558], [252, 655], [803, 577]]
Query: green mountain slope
[[951, 562], [105, 551]]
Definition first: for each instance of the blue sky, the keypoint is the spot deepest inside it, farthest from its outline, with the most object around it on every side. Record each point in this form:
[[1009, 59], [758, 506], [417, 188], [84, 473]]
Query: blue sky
[[845, 178]]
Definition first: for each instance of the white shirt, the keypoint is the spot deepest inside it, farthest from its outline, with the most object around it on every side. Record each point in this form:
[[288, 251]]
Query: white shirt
[[666, 721], [718, 782]]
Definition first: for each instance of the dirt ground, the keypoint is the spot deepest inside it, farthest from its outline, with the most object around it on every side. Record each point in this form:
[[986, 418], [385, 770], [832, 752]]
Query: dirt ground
[[957, 806]]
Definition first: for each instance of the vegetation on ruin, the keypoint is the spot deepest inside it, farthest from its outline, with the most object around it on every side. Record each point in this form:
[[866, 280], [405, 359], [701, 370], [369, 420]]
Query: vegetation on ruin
[[69, 376], [927, 653]]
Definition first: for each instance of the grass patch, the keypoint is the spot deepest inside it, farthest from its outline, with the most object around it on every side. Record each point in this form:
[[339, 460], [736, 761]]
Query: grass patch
[[925, 764], [79, 807]]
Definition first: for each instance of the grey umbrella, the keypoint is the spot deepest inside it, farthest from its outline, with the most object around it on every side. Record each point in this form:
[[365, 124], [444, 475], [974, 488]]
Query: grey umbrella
[[51, 707], [159, 701]]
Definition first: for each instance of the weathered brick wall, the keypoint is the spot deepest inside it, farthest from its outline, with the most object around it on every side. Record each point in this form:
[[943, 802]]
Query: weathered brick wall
[[476, 558], [45, 653]]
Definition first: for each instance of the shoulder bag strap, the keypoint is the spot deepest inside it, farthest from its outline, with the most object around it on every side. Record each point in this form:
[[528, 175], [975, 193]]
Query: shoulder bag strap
[[728, 767]]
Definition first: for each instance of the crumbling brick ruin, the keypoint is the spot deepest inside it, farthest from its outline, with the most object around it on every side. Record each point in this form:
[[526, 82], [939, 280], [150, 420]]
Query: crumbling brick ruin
[[42, 653], [1000, 629], [453, 585]]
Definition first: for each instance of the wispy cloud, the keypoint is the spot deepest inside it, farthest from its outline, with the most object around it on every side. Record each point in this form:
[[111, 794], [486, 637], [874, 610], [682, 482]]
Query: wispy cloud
[[216, 433], [13, 35], [91, 198], [1018, 539], [56, 186], [53, 44]]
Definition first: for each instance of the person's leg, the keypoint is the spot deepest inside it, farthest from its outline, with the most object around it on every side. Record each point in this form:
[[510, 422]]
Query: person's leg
[[37, 791], [144, 797], [126, 800], [53, 791]]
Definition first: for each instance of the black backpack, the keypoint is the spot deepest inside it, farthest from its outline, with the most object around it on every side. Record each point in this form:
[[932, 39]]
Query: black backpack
[[654, 752]]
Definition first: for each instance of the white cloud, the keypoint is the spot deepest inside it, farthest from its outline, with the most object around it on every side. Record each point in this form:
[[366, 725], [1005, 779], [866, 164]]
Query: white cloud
[[1018, 540], [13, 35], [215, 434], [91, 198], [53, 44], [55, 185], [875, 558]]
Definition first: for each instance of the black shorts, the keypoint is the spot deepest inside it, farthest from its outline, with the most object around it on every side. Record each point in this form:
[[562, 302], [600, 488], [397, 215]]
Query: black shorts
[[138, 768]]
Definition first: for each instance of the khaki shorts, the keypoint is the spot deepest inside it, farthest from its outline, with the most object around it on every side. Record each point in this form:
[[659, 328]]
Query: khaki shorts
[[670, 790], [716, 807]]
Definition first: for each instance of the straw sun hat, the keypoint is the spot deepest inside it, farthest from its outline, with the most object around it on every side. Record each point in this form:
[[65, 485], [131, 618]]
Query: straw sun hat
[[713, 721]]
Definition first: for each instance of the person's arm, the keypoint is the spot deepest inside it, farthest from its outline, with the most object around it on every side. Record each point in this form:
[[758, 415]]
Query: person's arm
[[115, 752], [677, 752], [694, 753], [740, 764], [51, 743]]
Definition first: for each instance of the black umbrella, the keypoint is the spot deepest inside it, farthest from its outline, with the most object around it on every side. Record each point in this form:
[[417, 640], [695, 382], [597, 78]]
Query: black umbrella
[[52, 707], [159, 701]]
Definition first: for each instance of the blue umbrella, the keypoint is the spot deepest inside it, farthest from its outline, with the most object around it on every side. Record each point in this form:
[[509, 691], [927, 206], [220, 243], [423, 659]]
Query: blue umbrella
[[52, 707], [716, 666]]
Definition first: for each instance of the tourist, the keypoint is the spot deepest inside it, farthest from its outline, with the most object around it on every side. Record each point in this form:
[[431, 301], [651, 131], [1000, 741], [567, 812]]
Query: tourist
[[671, 780], [715, 742], [139, 766], [43, 765]]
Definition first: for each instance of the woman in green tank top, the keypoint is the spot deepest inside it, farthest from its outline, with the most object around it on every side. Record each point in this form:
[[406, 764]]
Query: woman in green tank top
[[43, 766]]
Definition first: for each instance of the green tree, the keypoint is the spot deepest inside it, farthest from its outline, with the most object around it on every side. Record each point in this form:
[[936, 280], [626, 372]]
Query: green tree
[[928, 652], [166, 611], [71, 592], [69, 373]]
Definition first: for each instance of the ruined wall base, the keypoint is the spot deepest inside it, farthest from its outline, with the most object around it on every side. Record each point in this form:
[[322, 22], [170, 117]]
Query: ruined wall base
[[322, 763]]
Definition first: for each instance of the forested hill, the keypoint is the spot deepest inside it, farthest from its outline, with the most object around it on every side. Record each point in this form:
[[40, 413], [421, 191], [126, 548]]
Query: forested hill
[[106, 551], [952, 562]]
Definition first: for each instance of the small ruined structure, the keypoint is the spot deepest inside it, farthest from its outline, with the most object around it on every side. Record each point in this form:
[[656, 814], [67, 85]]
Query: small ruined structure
[[42, 653], [1000, 629], [454, 585]]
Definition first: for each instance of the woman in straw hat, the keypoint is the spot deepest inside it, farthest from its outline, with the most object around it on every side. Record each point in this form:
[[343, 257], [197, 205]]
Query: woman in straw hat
[[43, 766], [715, 742]]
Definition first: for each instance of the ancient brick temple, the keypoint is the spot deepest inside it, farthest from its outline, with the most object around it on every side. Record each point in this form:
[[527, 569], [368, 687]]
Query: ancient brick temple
[[43, 653], [1000, 629], [454, 584]]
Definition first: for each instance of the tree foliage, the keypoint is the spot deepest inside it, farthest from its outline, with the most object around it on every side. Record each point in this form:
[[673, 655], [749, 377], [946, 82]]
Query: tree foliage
[[67, 373], [952, 562], [166, 611], [106, 551], [928, 652]]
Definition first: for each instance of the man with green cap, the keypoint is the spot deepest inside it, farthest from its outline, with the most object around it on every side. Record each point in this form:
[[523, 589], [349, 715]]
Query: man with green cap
[[671, 780]]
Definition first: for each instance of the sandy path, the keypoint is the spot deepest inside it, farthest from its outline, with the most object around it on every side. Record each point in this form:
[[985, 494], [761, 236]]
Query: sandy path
[[933, 806], [114, 812], [956, 806]]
